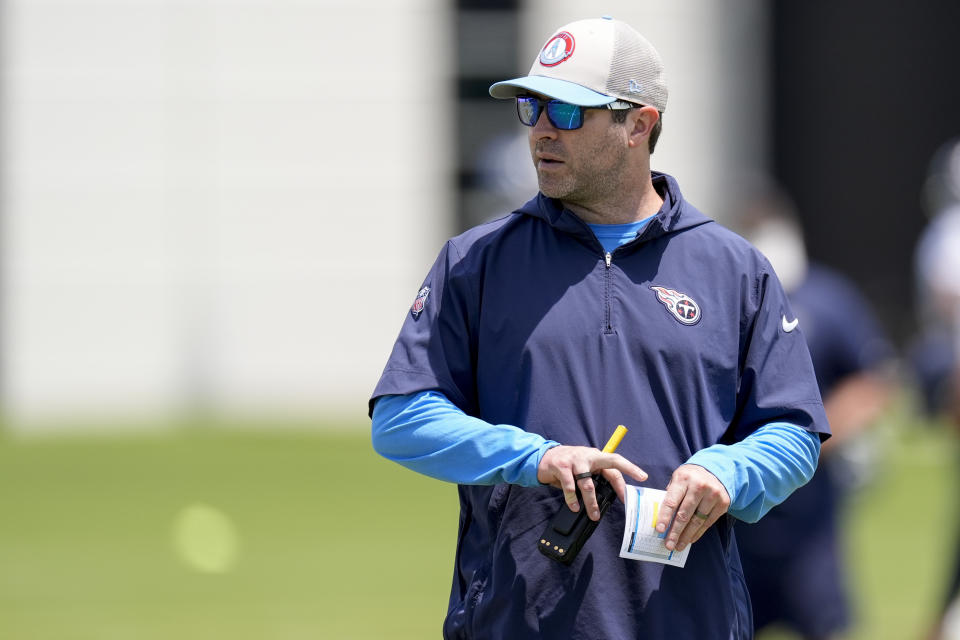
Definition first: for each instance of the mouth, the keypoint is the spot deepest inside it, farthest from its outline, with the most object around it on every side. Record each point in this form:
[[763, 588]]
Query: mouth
[[548, 153], [546, 161]]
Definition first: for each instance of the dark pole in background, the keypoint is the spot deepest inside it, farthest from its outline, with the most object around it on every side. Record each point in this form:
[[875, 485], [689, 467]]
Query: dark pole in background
[[863, 95], [487, 35]]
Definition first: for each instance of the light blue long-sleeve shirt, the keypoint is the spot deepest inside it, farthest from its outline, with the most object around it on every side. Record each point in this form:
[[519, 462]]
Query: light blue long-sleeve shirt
[[427, 433]]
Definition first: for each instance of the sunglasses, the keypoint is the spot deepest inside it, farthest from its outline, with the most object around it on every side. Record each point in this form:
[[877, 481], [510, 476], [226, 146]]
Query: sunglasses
[[562, 115]]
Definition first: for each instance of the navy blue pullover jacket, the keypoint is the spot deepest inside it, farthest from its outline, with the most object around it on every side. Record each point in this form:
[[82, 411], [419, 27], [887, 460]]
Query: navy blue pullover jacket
[[682, 335]]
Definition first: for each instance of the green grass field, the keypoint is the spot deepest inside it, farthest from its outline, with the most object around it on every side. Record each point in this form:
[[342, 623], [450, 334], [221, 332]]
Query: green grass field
[[317, 537], [333, 542]]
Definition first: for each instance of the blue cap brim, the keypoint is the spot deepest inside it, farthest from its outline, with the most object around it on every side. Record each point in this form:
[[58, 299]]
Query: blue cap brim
[[552, 88]]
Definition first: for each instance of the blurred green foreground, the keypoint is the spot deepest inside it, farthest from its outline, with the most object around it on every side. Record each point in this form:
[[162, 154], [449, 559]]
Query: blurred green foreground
[[285, 534]]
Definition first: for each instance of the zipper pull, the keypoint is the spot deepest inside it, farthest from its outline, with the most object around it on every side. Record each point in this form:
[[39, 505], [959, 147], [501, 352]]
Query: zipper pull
[[609, 259]]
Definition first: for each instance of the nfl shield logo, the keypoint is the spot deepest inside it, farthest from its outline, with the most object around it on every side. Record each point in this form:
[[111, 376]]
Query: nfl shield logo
[[420, 302]]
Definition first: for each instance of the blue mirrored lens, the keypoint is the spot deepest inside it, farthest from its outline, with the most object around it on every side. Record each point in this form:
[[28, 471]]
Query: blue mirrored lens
[[561, 114], [565, 116], [528, 109]]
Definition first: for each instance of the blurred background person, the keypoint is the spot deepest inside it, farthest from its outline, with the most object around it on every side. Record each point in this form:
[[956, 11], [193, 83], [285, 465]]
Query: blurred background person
[[793, 559], [933, 355], [504, 173], [937, 264]]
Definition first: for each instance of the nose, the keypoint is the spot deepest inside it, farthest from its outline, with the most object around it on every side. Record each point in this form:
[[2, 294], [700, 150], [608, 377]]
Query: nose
[[543, 128]]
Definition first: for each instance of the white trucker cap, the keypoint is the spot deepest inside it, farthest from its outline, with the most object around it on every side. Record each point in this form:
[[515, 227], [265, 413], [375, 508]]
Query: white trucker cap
[[591, 63]]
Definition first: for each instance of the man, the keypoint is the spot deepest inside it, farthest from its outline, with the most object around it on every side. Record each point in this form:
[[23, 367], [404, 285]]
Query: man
[[801, 538], [606, 299]]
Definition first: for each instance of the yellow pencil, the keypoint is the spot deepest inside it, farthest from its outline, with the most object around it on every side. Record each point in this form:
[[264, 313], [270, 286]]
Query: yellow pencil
[[615, 439]]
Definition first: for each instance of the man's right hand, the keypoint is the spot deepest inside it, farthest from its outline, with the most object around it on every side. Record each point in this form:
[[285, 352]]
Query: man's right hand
[[560, 464]]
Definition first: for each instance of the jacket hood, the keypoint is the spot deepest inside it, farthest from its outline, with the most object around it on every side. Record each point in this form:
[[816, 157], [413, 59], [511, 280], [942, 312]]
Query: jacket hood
[[675, 214]]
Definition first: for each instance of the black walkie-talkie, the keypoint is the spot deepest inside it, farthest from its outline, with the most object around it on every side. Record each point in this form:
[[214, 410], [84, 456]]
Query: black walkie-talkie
[[567, 531]]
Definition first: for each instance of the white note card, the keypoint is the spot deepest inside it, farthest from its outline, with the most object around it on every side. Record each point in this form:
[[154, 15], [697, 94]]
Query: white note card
[[640, 538]]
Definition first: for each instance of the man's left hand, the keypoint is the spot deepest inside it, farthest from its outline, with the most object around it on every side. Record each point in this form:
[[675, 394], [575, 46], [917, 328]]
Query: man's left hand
[[695, 500]]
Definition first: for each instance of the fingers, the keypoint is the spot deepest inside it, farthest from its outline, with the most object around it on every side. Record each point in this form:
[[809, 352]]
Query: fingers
[[621, 464], [668, 509], [569, 486], [561, 465], [695, 500], [571, 483], [588, 491], [615, 478], [703, 518]]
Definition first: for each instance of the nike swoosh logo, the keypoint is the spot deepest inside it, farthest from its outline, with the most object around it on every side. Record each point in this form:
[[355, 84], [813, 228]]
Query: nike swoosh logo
[[789, 326]]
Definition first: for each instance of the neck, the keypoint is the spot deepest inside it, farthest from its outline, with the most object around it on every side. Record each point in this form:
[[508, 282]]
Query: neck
[[620, 209]]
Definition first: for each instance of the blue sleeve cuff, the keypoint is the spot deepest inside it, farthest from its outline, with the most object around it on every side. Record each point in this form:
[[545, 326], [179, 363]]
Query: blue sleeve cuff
[[764, 468], [427, 433]]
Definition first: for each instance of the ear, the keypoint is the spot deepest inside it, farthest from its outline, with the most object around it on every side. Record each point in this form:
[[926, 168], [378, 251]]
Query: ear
[[640, 122]]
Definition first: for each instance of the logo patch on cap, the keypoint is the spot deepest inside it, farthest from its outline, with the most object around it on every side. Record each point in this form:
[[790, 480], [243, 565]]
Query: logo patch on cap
[[558, 48], [679, 304], [420, 302]]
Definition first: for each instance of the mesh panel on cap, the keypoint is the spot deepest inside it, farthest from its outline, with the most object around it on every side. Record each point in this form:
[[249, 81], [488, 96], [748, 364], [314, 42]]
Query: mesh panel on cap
[[635, 59]]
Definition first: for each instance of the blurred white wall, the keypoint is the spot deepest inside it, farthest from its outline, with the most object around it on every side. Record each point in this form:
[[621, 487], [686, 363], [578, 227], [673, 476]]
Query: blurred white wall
[[228, 206], [215, 205], [716, 122]]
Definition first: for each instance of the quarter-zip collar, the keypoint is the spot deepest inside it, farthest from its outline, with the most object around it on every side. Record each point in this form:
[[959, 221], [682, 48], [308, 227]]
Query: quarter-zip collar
[[675, 214]]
